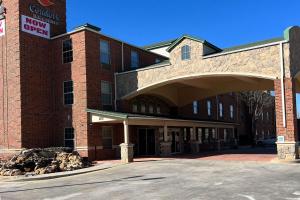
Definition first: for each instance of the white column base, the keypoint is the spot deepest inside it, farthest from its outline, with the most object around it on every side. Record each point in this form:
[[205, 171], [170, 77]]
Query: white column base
[[288, 151], [126, 153]]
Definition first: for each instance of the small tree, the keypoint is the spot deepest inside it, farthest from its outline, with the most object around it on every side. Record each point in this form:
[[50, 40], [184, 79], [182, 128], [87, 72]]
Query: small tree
[[256, 102]]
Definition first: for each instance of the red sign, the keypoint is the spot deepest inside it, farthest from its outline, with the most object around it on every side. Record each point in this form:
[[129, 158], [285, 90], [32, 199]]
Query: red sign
[[2, 27], [45, 3], [35, 27]]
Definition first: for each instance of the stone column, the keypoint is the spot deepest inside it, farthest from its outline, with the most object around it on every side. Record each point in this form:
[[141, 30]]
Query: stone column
[[126, 147], [166, 145], [286, 120]]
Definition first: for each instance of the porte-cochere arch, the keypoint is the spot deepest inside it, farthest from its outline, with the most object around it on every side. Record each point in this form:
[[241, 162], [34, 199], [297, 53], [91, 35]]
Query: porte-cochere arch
[[272, 65]]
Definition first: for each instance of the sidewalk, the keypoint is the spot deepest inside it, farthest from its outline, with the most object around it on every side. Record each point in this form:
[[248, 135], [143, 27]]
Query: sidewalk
[[102, 165]]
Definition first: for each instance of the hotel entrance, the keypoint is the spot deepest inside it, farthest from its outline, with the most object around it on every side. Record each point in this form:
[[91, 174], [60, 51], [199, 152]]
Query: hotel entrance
[[146, 141]]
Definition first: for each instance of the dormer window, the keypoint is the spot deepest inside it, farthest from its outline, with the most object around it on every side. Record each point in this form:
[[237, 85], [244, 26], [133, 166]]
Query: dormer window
[[186, 52]]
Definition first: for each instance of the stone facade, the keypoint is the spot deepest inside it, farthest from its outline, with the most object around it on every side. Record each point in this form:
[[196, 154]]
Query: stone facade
[[263, 62]]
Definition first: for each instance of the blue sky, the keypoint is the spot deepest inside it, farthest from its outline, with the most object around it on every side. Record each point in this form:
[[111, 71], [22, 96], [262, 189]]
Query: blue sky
[[224, 23]]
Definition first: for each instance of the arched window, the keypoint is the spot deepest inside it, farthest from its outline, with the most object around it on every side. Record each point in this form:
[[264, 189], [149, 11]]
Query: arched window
[[186, 52]]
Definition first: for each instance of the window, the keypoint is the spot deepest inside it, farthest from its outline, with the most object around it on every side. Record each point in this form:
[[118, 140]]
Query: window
[[143, 108], [105, 54], [134, 59], [186, 52], [68, 93], [158, 109], [106, 93], [231, 112], [268, 117], [134, 108], [206, 134], [151, 109], [221, 109], [225, 135], [200, 135], [69, 137], [67, 51], [157, 60], [214, 134], [262, 116], [195, 107], [209, 108], [107, 133]]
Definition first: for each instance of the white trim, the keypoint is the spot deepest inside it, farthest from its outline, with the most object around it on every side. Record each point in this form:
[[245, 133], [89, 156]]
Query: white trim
[[246, 49], [144, 69], [282, 85], [188, 77]]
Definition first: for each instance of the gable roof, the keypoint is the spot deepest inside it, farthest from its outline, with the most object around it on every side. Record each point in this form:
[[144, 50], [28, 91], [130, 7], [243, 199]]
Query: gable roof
[[159, 44], [253, 44], [175, 43]]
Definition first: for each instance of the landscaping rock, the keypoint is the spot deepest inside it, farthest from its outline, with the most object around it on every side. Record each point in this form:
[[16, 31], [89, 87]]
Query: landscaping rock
[[42, 161]]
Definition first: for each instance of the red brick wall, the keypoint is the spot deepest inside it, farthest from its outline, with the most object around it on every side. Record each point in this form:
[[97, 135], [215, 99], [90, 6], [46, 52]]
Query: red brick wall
[[37, 74], [226, 100], [290, 132], [10, 91]]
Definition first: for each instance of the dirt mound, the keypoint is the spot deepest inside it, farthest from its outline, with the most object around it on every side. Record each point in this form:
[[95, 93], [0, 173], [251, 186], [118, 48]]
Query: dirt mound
[[42, 161]]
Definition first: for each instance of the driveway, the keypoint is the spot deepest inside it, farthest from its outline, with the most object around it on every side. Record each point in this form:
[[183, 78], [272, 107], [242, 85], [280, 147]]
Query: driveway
[[169, 179]]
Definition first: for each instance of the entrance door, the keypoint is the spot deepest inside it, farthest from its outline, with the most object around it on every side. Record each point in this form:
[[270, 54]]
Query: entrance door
[[175, 141], [146, 141]]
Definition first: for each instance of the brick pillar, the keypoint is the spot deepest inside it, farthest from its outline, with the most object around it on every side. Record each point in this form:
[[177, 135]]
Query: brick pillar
[[287, 149]]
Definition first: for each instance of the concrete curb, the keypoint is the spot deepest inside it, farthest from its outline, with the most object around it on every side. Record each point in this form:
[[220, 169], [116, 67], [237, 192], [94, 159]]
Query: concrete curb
[[62, 174], [277, 161]]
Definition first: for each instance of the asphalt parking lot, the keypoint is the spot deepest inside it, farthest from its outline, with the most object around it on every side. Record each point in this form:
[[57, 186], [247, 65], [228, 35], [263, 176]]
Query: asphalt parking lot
[[169, 179]]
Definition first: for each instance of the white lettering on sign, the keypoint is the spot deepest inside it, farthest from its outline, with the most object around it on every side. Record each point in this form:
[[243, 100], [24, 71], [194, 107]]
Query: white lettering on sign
[[2, 27], [35, 27]]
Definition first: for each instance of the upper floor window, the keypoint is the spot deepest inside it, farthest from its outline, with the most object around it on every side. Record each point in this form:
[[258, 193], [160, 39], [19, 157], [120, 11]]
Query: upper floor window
[[209, 108], [268, 117], [143, 108], [107, 137], [195, 107], [231, 111], [69, 137], [106, 93], [221, 110], [68, 93], [67, 51], [158, 110], [105, 54], [186, 52], [134, 108], [151, 109], [134, 59]]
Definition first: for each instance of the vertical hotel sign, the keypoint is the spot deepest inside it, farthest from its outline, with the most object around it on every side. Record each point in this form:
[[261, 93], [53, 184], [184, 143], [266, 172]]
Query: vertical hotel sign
[[2, 27], [35, 27]]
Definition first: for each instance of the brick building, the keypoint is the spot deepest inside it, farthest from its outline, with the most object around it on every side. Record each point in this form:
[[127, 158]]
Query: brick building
[[56, 85]]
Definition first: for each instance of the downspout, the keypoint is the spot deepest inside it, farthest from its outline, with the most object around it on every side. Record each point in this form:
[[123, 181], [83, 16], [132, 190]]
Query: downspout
[[282, 85], [115, 100], [123, 57]]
